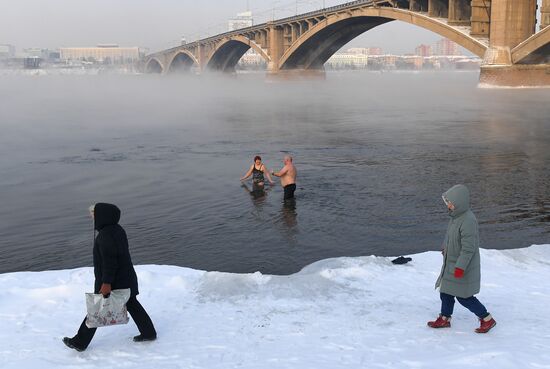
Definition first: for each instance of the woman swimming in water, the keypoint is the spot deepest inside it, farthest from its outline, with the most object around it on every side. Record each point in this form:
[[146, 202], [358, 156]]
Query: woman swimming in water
[[257, 171]]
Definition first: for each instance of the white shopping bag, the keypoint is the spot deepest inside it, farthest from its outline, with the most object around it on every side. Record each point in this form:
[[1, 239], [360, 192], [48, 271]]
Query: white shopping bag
[[105, 312]]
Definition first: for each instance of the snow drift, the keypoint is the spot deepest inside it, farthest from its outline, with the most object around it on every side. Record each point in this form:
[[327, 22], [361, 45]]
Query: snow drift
[[338, 313]]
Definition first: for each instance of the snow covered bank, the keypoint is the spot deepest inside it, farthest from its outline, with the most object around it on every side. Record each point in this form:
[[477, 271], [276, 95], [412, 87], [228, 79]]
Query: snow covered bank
[[338, 313]]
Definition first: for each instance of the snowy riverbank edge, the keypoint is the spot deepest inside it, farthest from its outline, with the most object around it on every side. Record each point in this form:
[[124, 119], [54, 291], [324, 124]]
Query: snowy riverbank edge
[[337, 313]]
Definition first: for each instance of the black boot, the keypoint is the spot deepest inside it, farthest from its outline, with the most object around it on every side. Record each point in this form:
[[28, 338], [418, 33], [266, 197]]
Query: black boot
[[141, 338], [69, 343]]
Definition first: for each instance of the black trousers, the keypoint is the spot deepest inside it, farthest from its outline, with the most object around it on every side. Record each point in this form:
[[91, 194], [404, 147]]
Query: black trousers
[[138, 314], [289, 191]]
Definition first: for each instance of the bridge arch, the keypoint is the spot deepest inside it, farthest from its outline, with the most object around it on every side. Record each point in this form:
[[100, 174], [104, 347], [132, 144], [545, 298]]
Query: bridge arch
[[227, 53], [534, 50], [182, 61], [319, 43], [154, 66]]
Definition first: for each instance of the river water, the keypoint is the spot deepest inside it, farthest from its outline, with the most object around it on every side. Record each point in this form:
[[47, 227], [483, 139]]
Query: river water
[[374, 153]]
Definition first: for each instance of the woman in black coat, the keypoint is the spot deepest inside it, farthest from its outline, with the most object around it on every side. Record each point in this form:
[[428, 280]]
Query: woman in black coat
[[113, 270]]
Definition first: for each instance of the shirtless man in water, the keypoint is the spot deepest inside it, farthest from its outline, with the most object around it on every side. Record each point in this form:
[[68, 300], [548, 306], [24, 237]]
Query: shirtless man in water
[[288, 177]]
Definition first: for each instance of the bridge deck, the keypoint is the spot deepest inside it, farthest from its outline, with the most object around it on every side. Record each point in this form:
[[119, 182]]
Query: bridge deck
[[316, 13]]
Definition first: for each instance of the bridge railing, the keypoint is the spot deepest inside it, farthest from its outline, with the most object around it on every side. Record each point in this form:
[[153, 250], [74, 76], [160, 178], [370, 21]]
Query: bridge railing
[[261, 26]]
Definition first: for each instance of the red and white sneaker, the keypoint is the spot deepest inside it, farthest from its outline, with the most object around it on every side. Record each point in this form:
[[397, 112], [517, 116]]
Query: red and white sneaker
[[441, 322], [486, 325]]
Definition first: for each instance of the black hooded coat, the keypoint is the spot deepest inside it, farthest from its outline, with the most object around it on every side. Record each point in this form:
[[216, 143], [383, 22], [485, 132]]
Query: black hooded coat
[[112, 261]]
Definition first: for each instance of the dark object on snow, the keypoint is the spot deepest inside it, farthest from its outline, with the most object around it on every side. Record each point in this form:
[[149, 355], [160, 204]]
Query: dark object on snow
[[69, 343], [401, 260], [142, 338]]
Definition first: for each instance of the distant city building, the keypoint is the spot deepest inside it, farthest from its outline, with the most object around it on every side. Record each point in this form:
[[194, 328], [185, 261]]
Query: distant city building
[[374, 51], [252, 60], [382, 62], [446, 47], [348, 60], [417, 62], [423, 50], [32, 62], [44, 54], [242, 20], [34, 52], [54, 55], [7, 51], [411, 62], [183, 41], [358, 51], [389, 60], [102, 53], [364, 51]]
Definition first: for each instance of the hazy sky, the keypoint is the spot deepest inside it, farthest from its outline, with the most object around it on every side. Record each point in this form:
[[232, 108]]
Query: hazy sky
[[159, 24]]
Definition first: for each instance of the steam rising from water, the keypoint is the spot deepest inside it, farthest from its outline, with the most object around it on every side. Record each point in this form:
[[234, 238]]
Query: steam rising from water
[[374, 153]]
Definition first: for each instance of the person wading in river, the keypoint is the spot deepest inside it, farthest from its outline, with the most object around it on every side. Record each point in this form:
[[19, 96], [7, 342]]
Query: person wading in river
[[257, 171], [288, 177], [113, 270], [461, 272]]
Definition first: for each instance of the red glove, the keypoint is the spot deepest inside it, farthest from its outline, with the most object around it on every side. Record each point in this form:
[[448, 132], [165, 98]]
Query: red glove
[[459, 273]]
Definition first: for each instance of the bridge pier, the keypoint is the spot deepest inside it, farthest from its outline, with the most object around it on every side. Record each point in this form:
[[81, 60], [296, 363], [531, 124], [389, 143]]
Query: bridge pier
[[545, 14], [460, 12], [276, 47], [202, 57], [419, 5], [438, 8], [517, 75], [481, 18], [512, 22]]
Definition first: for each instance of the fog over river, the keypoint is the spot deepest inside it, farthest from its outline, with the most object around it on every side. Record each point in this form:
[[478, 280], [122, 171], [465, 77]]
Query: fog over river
[[374, 154]]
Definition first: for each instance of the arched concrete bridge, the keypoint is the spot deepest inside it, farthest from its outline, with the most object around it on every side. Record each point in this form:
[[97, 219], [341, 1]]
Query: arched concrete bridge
[[502, 32]]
